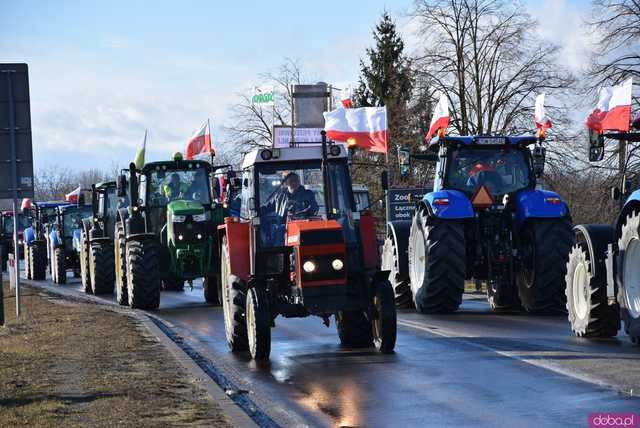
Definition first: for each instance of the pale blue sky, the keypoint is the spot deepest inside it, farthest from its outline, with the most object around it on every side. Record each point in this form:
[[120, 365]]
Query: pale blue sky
[[102, 73]]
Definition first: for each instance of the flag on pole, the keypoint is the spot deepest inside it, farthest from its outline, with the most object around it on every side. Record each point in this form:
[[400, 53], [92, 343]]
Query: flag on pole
[[139, 160], [541, 119], [200, 142], [613, 111], [73, 196], [345, 97], [440, 118], [364, 127]]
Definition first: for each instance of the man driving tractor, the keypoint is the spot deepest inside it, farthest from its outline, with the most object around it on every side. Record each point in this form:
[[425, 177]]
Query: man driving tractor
[[295, 201], [175, 188]]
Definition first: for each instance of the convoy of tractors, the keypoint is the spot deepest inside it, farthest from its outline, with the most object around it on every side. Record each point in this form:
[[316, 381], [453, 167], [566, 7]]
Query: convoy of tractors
[[289, 234]]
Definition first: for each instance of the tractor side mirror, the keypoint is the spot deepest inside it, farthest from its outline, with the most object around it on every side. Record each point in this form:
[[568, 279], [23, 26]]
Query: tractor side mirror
[[384, 180], [404, 161], [596, 146], [121, 185], [539, 157], [245, 182], [616, 193]]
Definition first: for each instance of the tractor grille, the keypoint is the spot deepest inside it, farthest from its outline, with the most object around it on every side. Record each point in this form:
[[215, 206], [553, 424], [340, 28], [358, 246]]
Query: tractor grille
[[189, 230]]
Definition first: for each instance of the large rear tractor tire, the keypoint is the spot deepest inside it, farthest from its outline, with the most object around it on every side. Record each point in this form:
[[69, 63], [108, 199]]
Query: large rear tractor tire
[[546, 247], [258, 324], [27, 261], [101, 267], [60, 270], [436, 264], [628, 263], [384, 323], [120, 260], [38, 260], [143, 274], [234, 301], [400, 283], [354, 329], [85, 273], [212, 287], [587, 305]]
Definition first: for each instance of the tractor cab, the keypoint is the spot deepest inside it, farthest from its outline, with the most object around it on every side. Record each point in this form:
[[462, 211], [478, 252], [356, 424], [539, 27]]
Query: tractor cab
[[295, 190], [298, 202], [485, 169]]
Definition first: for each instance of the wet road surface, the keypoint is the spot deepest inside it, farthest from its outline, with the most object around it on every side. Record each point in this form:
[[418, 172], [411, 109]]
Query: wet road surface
[[473, 367]]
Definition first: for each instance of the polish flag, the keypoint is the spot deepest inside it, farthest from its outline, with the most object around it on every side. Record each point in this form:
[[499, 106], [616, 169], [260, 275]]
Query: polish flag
[[614, 109], [345, 98], [541, 119], [440, 118], [73, 196], [364, 127], [200, 142]]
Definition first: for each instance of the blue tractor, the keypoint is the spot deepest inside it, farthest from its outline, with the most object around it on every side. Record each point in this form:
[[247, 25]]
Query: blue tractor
[[43, 214], [485, 220], [603, 271], [63, 240]]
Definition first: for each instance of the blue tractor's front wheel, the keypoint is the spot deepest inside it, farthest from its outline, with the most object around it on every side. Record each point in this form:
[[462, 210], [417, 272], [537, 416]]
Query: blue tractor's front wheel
[[437, 264]]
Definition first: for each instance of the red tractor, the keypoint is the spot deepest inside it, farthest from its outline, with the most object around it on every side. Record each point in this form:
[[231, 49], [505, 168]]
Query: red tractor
[[300, 248]]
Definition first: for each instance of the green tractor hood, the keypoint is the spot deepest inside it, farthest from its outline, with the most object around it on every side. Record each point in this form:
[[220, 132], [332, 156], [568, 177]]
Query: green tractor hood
[[183, 207]]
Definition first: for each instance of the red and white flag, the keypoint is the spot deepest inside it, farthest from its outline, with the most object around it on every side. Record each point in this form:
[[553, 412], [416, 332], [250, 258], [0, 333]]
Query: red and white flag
[[541, 119], [440, 118], [364, 127], [200, 142], [73, 196], [345, 97], [614, 109]]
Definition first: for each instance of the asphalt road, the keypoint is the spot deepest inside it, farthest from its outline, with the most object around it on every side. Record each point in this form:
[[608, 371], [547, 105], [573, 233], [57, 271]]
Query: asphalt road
[[471, 368]]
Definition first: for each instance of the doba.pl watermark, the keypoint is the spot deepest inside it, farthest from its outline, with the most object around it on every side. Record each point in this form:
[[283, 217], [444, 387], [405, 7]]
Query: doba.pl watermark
[[614, 420]]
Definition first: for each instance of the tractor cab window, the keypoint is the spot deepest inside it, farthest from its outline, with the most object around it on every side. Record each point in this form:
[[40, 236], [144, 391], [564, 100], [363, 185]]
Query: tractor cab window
[[23, 223], [72, 218], [48, 215], [164, 186], [296, 191], [501, 170]]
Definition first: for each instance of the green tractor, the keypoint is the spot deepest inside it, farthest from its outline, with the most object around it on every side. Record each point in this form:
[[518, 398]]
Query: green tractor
[[97, 262], [168, 234]]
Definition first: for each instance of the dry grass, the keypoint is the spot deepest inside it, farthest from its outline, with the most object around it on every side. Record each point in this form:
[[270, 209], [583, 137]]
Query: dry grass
[[66, 364]]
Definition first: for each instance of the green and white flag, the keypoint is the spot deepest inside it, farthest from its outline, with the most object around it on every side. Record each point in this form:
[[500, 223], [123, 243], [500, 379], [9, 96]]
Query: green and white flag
[[262, 96]]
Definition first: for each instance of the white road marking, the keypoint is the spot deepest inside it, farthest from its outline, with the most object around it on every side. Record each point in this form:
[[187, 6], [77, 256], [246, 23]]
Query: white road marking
[[547, 365]]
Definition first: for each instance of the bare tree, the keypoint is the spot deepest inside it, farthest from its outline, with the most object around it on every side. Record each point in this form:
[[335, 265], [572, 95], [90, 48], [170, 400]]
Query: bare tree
[[54, 182], [617, 52], [485, 56], [253, 123]]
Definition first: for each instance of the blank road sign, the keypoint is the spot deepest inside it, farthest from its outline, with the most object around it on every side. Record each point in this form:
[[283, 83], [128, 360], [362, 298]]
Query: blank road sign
[[14, 96]]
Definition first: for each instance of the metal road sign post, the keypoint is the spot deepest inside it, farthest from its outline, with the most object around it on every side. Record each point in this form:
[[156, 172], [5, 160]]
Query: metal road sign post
[[15, 148]]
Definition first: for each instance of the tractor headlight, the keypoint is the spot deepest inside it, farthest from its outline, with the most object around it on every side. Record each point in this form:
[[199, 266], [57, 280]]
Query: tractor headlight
[[179, 218], [309, 266], [200, 217], [180, 237], [337, 264], [199, 236]]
